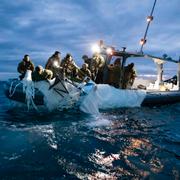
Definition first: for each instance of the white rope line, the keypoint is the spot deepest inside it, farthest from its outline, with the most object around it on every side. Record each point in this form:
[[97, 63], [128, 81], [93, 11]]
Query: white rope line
[[29, 90], [11, 93]]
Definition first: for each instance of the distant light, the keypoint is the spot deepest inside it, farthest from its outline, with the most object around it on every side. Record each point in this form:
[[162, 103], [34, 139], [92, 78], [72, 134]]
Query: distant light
[[142, 41], [95, 48], [56, 64], [109, 51], [149, 18]]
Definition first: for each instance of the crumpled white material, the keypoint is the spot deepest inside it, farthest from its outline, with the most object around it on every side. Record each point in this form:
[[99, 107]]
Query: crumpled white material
[[55, 101], [28, 89], [106, 97]]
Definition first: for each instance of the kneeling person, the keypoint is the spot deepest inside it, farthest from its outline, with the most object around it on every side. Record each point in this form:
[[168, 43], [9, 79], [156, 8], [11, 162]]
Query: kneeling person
[[24, 65], [41, 74], [84, 72]]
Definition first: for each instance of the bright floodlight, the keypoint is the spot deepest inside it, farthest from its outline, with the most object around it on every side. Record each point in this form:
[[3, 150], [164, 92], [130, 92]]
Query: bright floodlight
[[109, 51], [95, 48], [142, 41], [149, 18], [56, 64]]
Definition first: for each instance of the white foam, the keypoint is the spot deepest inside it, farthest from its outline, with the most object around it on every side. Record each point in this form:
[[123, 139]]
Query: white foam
[[99, 122]]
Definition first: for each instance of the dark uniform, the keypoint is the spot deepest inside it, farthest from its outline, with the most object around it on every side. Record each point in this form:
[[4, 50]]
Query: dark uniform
[[25, 65], [114, 73], [41, 74], [54, 63], [129, 76]]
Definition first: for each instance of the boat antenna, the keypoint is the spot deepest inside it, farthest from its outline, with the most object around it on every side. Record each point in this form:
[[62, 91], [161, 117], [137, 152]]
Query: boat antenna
[[149, 19]]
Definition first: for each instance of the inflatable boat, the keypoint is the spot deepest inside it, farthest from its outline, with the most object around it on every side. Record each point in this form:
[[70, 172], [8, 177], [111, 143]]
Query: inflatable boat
[[14, 91], [54, 94], [67, 94]]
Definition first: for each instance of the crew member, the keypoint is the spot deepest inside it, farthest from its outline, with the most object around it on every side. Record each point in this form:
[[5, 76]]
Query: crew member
[[69, 67], [41, 74], [54, 63], [129, 76], [114, 73], [87, 60], [97, 68], [84, 72], [24, 65]]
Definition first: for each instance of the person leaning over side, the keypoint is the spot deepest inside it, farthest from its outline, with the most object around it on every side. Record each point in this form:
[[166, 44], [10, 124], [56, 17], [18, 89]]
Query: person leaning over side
[[87, 60], [97, 68], [69, 67], [41, 74], [54, 63], [84, 72], [24, 65]]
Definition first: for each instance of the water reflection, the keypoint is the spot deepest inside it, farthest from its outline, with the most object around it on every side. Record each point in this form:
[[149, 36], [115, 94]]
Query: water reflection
[[137, 143], [131, 151]]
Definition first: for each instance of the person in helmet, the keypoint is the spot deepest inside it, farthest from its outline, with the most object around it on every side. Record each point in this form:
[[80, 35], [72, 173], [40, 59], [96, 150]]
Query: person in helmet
[[69, 67], [87, 60], [41, 74], [24, 65], [54, 63]]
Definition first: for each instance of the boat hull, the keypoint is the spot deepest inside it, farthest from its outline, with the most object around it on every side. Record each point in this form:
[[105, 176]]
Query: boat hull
[[18, 94], [151, 99], [161, 98]]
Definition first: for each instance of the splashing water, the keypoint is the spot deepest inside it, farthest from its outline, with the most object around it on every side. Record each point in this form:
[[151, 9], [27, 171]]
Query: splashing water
[[99, 121]]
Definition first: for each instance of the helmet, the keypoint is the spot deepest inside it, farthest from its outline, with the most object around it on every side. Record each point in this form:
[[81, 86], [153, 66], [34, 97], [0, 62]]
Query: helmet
[[57, 52], [39, 68], [84, 57], [68, 55]]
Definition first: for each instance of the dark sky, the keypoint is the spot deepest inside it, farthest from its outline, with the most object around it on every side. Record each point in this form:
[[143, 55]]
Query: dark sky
[[40, 27]]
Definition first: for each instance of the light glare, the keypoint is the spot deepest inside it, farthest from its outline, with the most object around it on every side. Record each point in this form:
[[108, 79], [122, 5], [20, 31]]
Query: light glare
[[109, 51], [56, 64], [96, 48]]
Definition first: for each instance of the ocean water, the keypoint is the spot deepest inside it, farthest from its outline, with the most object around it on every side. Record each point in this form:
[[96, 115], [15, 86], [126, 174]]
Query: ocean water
[[124, 143]]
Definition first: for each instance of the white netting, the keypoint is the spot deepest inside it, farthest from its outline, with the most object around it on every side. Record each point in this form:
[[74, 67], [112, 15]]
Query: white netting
[[28, 89]]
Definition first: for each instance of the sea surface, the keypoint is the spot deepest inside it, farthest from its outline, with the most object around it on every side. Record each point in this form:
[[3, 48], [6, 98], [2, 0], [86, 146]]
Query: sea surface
[[126, 143]]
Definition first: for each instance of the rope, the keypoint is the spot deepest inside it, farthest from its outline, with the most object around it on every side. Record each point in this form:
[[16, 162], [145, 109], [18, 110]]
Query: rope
[[29, 90], [10, 89]]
